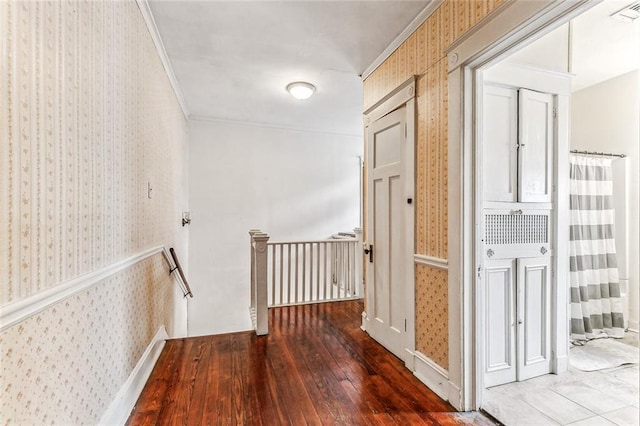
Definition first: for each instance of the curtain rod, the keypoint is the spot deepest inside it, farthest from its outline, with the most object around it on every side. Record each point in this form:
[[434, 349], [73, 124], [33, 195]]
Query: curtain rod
[[605, 154]]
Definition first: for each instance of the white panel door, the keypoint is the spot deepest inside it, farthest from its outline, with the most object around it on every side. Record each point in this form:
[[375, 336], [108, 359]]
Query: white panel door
[[534, 317], [535, 164], [386, 231], [500, 322], [500, 142]]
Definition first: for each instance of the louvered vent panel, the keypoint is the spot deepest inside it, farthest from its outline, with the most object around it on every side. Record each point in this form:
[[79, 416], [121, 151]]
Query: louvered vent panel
[[516, 229]]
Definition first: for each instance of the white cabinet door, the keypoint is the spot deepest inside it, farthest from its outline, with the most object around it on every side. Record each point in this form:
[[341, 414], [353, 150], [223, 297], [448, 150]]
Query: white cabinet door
[[534, 321], [535, 164], [500, 322], [500, 141]]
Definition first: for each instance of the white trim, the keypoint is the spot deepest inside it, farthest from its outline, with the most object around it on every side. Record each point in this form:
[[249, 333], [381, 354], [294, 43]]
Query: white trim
[[226, 122], [533, 78], [403, 36], [435, 378], [21, 310], [434, 262], [143, 5], [410, 267], [120, 408], [512, 23], [391, 101], [560, 363], [634, 326]]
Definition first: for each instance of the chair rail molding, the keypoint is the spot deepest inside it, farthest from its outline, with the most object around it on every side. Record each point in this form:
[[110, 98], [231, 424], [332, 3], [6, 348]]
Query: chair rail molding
[[434, 262], [16, 312]]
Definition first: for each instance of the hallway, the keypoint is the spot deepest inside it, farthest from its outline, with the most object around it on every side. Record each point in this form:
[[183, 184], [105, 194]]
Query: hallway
[[315, 367]]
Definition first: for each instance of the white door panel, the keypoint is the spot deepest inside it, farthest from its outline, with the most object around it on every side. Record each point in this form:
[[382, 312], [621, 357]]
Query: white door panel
[[386, 231], [535, 166], [499, 319], [533, 310], [500, 141], [397, 244]]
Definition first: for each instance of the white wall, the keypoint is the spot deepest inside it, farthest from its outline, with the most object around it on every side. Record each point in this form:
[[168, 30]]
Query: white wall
[[550, 52], [290, 184], [606, 117]]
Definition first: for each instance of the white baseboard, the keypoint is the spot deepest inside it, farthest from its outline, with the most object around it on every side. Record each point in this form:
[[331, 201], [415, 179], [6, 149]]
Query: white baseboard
[[365, 320], [121, 406], [633, 326], [562, 364], [431, 374], [455, 397], [409, 359]]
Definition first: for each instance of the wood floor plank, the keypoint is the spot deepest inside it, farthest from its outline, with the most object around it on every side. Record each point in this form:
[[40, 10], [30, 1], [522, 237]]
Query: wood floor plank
[[150, 402], [316, 367]]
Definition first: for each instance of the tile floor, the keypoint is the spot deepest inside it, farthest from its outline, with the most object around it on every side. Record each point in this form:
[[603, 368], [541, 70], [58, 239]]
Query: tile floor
[[577, 398]]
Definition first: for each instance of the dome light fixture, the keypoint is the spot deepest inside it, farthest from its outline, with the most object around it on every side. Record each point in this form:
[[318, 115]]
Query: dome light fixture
[[301, 89]]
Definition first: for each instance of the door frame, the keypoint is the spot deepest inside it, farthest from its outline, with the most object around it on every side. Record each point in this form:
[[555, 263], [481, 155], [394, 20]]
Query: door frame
[[510, 27], [403, 95]]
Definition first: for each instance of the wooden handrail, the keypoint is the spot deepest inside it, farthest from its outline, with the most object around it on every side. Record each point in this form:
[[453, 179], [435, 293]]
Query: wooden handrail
[[187, 291]]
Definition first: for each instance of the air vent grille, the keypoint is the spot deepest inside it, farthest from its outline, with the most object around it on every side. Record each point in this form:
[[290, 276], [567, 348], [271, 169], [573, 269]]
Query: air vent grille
[[629, 13], [516, 229]]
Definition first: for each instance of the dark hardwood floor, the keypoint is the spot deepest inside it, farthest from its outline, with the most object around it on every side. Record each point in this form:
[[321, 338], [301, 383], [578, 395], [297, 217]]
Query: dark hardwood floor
[[315, 367]]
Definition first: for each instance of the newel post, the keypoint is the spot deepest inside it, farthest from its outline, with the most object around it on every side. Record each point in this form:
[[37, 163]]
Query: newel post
[[359, 260], [259, 283]]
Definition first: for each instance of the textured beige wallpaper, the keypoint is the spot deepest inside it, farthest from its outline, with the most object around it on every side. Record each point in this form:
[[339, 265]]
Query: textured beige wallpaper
[[65, 364], [87, 118], [423, 54], [432, 314]]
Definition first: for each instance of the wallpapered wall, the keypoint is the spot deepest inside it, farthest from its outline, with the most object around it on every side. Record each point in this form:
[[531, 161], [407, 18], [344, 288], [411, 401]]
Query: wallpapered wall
[[87, 118], [423, 54], [65, 366]]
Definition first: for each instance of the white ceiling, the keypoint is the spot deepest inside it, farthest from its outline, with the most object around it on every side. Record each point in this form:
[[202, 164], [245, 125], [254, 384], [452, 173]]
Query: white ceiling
[[603, 47], [233, 59], [593, 48]]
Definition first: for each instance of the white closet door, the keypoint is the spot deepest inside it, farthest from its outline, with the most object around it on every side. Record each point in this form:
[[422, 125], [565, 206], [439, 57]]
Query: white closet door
[[500, 322], [533, 311], [535, 171], [500, 141], [386, 230]]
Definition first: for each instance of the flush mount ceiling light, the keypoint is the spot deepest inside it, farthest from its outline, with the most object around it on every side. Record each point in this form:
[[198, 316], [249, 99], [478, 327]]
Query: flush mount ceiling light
[[301, 89]]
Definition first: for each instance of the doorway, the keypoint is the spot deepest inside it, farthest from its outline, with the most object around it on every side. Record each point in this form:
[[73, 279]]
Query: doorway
[[577, 394], [389, 221], [517, 26]]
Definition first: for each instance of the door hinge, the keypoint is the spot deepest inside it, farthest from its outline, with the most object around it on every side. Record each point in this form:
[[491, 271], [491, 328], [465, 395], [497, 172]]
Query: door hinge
[[405, 130], [555, 112], [405, 324]]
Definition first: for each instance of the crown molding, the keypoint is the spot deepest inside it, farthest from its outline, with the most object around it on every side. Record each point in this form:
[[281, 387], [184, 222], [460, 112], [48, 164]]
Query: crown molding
[[145, 9], [403, 36], [227, 122]]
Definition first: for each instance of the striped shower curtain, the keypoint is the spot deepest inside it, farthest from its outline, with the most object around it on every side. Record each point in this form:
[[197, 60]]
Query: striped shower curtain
[[596, 308]]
